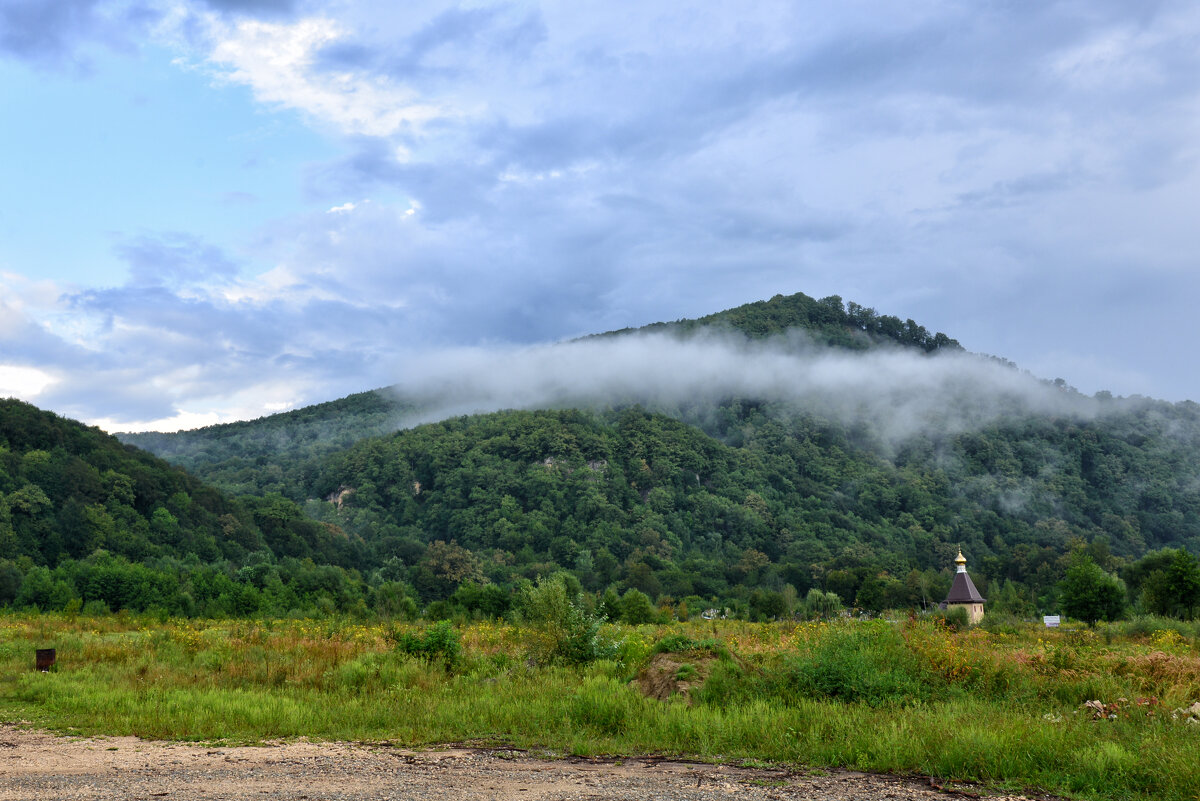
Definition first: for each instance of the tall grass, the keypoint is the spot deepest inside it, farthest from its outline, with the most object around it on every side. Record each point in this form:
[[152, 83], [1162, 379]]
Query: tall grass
[[1001, 708]]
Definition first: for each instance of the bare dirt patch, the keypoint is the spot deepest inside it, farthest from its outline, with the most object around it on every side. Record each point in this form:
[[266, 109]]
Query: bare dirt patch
[[670, 674], [38, 765]]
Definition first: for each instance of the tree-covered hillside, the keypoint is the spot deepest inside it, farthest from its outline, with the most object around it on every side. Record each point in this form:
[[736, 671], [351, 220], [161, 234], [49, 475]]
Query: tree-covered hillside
[[641, 501], [86, 518], [66, 490]]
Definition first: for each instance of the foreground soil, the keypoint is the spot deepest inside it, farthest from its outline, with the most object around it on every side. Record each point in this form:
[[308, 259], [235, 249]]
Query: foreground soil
[[39, 765]]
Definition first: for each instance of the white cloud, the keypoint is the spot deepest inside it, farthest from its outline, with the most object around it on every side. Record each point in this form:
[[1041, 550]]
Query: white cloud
[[40, 305], [22, 293], [262, 398], [1090, 372], [900, 393], [183, 421], [280, 283], [23, 382], [277, 61]]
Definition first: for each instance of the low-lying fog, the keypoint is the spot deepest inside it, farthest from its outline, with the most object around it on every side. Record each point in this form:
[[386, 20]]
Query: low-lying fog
[[900, 392]]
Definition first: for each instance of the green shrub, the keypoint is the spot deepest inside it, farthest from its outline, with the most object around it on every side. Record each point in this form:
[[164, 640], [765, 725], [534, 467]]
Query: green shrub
[[578, 641], [441, 641], [636, 608], [571, 634], [95, 608], [1001, 623], [439, 610], [819, 604], [393, 599]]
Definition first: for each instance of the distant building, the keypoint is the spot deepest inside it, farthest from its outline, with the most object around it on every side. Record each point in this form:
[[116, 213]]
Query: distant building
[[963, 593]]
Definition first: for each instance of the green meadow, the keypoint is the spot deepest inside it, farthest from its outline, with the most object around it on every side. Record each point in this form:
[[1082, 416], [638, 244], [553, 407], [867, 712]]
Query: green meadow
[[1003, 705]]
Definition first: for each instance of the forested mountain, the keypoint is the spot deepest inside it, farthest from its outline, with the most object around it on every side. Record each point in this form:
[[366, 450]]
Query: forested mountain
[[827, 321], [275, 453], [125, 528], [741, 501]]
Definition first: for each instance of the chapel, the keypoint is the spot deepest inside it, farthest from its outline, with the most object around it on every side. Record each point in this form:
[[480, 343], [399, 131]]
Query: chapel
[[963, 593]]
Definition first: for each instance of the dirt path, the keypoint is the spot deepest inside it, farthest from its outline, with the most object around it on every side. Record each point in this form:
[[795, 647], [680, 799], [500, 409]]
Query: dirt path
[[38, 765]]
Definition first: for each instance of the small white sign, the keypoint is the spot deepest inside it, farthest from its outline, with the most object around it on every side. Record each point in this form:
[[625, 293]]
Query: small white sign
[[1051, 621]]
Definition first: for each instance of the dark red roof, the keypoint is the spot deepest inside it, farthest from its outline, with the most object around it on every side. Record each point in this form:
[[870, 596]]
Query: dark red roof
[[963, 591]]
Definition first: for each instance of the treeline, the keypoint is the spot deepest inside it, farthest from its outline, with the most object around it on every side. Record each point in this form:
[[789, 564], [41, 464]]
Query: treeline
[[103, 582], [1165, 583]]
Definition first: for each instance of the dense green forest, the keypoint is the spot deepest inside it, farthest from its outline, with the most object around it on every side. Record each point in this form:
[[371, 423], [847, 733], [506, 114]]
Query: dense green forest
[[741, 505], [86, 518], [638, 500]]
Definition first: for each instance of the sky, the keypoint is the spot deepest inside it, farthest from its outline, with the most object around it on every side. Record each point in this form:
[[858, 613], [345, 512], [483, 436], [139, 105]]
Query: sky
[[218, 209]]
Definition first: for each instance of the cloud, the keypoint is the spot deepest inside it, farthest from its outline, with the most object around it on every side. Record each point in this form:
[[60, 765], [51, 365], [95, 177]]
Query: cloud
[[172, 345], [23, 382], [898, 394], [453, 40], [174, 259], [276, 60], [252, 6], [58, 33], [1017, 190]]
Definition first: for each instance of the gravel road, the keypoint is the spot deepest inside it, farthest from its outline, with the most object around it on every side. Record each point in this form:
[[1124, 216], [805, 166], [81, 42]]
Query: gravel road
[[38, 765]]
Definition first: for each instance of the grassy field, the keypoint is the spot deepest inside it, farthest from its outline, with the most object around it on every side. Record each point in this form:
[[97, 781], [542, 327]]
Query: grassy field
[[1002, 706]]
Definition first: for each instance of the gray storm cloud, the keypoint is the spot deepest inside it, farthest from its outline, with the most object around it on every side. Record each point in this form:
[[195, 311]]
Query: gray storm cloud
[[900, 393]]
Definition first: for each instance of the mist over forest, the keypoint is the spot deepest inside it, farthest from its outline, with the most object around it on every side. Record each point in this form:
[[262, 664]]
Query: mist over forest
[[898, 393], [744, 460]]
